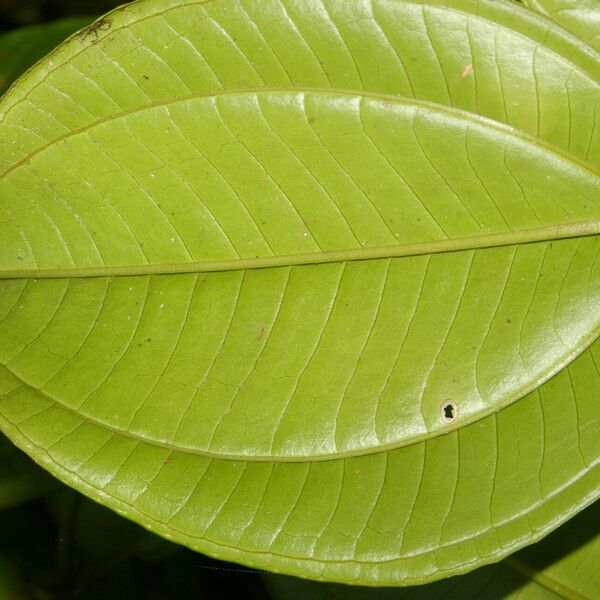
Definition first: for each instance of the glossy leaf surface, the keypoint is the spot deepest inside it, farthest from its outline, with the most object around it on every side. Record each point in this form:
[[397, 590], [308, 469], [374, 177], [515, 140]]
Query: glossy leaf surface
[[581, 17], [564, 565], [410, 515], [239, 173], [304, 361], [282, 232]]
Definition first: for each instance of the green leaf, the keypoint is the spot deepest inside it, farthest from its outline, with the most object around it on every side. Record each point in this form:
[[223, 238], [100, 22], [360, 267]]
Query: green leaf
[[406, 516], [20, 479], [272, 199], [582, 17], [564, 565], [278, 233], [327, 346], [21, 48]]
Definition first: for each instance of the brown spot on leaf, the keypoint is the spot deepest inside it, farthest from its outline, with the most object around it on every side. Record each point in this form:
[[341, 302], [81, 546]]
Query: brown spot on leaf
[[261, 333]]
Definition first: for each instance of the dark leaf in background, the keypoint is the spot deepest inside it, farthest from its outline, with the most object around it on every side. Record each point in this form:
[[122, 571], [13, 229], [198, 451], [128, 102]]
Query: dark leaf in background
[[19, 13], [20, 478], [22, 48]]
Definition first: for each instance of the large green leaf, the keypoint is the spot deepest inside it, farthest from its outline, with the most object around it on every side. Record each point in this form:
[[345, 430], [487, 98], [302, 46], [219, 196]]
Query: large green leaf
[[284, 231], [564, 565], [406, 516], [195, 175], [582, 17], [22, 48], [301, 361]]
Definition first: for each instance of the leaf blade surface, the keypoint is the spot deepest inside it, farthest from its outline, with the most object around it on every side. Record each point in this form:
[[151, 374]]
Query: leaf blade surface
[[149, 348], [402, 517], [580, 17], [560, 566]]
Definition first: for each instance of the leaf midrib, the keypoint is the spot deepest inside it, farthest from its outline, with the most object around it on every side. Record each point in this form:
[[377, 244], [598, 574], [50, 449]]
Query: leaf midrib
[[553, 232], [477, 242]]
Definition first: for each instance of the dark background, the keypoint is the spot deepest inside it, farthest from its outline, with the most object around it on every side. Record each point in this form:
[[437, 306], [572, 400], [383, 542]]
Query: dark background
[[18, 13]]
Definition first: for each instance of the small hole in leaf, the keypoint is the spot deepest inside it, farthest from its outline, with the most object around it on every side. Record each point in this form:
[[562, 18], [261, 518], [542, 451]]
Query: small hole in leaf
[[449, 411]]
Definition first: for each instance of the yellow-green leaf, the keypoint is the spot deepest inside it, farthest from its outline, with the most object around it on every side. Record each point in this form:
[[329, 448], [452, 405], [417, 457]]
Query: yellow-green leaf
[[240, 238], [581, 17], [564, 565]]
